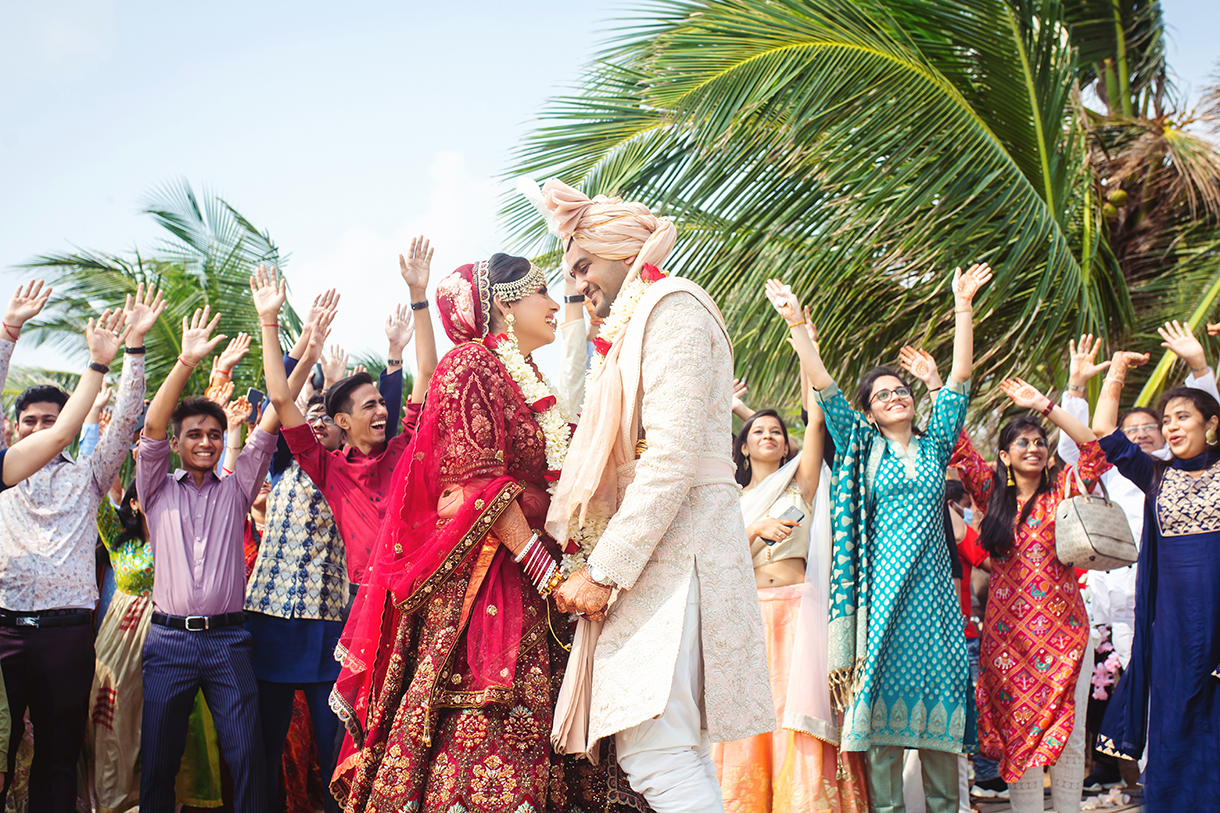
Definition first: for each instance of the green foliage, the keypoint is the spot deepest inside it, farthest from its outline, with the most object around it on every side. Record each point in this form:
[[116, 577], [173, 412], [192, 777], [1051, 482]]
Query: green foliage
[[205, 259], [859, 150]]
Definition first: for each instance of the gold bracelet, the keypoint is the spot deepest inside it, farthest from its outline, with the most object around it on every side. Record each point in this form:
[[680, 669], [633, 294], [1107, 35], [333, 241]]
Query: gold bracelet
[[796, 324], [963, 310], [551, 583]]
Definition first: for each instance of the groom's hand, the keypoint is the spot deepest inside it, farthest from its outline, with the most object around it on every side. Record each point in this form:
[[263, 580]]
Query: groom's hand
[[580, 594]]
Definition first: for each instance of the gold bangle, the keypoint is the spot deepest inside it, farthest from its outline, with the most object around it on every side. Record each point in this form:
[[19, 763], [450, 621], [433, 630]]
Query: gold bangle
[[551, 583], [796, 324], [963, 310]]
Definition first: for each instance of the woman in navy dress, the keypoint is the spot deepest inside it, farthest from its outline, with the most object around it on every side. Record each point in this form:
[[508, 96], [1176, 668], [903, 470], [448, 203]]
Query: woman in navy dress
[[1169, 698]]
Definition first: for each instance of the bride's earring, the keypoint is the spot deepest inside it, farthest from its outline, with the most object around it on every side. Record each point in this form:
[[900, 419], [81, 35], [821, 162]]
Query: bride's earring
[[509, 320]]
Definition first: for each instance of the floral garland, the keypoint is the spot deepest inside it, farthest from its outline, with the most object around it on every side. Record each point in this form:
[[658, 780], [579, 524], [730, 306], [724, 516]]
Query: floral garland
[[541, 399], [620, 315]]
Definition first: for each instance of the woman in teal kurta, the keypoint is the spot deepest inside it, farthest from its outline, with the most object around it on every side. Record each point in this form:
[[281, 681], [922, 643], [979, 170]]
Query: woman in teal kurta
[[897, 656]]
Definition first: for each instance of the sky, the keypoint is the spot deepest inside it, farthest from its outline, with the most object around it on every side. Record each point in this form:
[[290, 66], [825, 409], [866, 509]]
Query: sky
[[342, 129]]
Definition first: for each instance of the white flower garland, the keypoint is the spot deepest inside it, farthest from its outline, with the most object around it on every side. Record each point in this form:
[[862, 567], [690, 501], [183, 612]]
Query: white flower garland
[[620, 316], [553, 423]]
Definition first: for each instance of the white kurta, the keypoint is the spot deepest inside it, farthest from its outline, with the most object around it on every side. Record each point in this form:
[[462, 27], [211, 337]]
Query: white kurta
[[669, 523]]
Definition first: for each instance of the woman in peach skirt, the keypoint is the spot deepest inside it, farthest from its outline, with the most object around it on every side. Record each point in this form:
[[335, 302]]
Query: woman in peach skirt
[[796, 767]]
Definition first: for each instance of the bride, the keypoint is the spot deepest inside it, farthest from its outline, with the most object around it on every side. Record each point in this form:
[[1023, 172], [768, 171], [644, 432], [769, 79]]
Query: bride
[[453, 651]]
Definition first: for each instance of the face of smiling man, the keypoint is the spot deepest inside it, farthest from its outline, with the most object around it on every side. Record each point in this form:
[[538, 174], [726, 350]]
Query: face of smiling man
[[364, 419]]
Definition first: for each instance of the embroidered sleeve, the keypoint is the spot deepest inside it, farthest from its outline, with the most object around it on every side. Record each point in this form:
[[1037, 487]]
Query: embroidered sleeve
[[841, 419], [1092, 463], [468, 391], [977, 475], [107, 458]]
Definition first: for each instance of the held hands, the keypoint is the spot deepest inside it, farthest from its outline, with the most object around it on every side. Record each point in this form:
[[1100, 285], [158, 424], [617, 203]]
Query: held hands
[[104, 337], [26, 303], [784, 301], [965, 286], [1024, 395], [197, 340], [580, 594], [416, 266], [269, 293], [142, 312], [398, 328], [1081, 366], [1181, 342], [919, 363]]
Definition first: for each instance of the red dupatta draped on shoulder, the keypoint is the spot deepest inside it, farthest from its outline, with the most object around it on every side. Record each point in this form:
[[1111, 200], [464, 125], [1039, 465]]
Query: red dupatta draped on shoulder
[[470, 455]]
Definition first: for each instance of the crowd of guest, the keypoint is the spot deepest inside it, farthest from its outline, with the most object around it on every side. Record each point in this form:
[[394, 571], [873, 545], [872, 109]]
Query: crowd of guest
[[174, 638]]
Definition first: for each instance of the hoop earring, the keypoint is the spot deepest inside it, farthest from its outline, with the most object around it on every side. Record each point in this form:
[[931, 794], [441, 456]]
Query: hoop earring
[[1210, 437]]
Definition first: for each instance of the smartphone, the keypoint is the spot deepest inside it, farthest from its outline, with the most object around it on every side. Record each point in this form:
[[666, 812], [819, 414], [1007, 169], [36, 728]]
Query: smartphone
[[318, 379], [793, 514], [255, 397]]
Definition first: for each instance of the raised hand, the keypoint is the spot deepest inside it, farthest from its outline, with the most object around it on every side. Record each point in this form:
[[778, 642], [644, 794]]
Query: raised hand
[[334, 365], [416, 266], [1124, 360], [197, 339], [1081, 365], [318, 333], [103, 398], [1180, 341], [810, 329], [784, 301], [1213, 330], [143, 310], [965, 286], [105, 336], [269, 293], [1023, 394], [398, 327], [236, 413], [220, 393], [359, 368], [26, 303], [234, 351], [739, 392], [326, 301], [919, 363]]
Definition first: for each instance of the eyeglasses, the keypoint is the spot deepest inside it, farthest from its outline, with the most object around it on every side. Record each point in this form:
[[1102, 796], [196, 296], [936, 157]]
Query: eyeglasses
[[1132, 431], [885, 395], [325, 420], [1021, 444]]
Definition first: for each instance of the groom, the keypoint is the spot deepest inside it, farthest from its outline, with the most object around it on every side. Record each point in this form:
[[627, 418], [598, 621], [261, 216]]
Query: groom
[[680, 660]]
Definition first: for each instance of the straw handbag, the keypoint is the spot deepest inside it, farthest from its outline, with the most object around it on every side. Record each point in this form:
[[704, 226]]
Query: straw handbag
[[1091, 532]]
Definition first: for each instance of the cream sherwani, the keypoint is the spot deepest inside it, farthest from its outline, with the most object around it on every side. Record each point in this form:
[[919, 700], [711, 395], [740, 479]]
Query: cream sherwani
[[679, 514]]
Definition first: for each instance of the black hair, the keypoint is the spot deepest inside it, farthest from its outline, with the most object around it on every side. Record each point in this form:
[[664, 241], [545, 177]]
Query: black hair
[[1151, 413], [502, 268], [41, 394], [955, 491], [996, 532], [339, 396], [315, 399], [1203, 401], [739, 444], [865, 390], [197, 405], [129, 518]]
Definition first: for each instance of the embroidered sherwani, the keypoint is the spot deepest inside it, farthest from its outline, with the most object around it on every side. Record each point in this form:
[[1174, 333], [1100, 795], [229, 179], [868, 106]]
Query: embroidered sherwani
[[674, 520]]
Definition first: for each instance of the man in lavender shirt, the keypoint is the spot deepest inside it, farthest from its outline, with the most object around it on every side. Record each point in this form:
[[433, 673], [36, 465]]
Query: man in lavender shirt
[[195, 524]]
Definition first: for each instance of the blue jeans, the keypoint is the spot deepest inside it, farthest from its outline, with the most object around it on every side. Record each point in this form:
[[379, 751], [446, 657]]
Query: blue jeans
[[984, 769]]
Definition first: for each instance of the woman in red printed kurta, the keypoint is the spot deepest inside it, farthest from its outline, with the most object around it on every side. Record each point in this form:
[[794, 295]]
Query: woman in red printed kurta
[[1031, 691]]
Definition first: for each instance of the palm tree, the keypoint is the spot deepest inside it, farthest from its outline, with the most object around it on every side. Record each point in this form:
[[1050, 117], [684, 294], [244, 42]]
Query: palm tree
[[860, 149], [204, 259]]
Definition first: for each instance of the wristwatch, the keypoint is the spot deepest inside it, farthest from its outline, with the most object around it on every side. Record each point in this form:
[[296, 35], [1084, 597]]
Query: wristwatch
[[600, 577], [574, 298]]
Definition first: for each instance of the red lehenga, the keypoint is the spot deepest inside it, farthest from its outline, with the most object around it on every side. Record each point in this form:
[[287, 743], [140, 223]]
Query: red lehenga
[[451, 658]]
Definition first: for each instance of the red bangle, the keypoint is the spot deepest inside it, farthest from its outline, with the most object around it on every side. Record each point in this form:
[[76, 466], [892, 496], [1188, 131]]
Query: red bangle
[[271, 324], [1050, 407], [187, 363], [219, 371], [9, 329]]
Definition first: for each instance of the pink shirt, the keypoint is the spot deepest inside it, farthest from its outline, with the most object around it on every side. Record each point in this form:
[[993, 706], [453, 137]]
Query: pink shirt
[[199, 563]]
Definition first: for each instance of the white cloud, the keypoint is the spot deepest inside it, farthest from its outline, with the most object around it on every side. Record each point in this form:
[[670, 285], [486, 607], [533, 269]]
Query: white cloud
[[460, 220]]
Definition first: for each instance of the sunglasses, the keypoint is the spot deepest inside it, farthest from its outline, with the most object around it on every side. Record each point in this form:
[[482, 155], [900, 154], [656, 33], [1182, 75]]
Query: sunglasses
[[884, 396]]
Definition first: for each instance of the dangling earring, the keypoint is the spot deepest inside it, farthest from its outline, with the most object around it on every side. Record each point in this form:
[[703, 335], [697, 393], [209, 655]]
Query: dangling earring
[[1210, 437], [509, 320], [1011, 482], [747, 459]]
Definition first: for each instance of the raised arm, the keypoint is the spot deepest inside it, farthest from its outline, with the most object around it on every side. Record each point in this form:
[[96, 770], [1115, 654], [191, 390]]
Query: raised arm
[[398, 330], [197, 343], [1105, 416], [415, 273], [236, 413], [786, 303], [30, 454], [1082, 366], [965, 286], [269, 293], [26, 303], [1027, 396], [223, 364], [919, 363], [1180, 341]]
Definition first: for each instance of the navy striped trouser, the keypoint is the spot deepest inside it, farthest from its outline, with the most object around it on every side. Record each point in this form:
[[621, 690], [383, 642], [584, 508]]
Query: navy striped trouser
[[176, 664]]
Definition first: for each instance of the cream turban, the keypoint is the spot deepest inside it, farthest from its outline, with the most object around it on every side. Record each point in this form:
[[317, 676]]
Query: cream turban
[[604, 226]]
